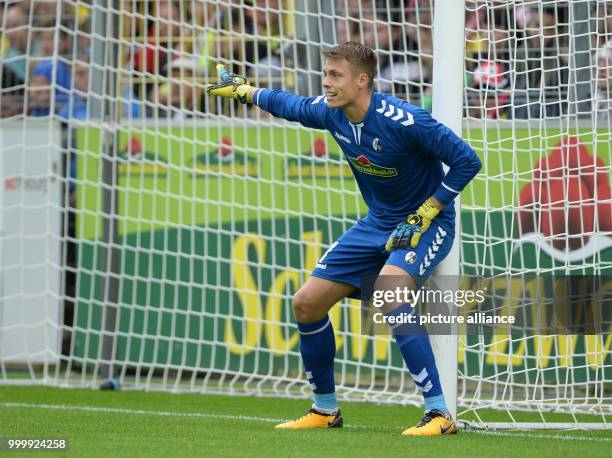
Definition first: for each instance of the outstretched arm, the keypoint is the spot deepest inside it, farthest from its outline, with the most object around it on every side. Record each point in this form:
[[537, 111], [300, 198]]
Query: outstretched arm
[[308, 111], [231, 86]]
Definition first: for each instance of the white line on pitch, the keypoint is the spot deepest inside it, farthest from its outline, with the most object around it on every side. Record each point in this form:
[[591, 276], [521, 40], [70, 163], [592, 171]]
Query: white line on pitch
[[265, 420], [138, 411], [147, 412], [541, 436]]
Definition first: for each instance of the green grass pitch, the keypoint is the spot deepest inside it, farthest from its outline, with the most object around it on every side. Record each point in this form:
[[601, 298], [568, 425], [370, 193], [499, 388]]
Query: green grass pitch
[[163, 424]]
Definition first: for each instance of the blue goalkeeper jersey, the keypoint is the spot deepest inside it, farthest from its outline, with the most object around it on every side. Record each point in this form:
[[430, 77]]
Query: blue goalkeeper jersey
[[396, 152]]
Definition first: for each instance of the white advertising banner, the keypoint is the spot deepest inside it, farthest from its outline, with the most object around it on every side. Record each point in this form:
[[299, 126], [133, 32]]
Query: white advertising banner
[[30, 222]]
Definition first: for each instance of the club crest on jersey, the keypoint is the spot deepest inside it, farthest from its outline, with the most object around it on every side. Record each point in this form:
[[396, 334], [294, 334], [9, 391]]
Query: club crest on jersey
[[377, 145], [410, 257], [364, 165]]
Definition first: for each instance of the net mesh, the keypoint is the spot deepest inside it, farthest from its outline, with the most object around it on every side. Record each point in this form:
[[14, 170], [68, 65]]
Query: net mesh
[[537, 106]]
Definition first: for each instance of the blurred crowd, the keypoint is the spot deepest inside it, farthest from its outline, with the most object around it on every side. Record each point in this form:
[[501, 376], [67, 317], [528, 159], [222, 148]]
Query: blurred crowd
[[518, 59], [45, 58], [517, 53], [167, 52]]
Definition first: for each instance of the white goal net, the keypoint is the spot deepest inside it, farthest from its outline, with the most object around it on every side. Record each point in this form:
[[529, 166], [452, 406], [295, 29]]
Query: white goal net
[[537, 105], [160, 241]]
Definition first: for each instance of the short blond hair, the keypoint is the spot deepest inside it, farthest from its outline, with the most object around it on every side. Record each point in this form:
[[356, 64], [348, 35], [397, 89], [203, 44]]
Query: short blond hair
[[359, 56]]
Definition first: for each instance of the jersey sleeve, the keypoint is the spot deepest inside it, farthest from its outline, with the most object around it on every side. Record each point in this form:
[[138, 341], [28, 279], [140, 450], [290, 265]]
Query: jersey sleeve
[[308, 111], [439, 141]]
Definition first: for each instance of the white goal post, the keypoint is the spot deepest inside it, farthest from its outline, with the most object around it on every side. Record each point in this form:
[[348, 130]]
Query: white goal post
[[447, 107], [187, 224]]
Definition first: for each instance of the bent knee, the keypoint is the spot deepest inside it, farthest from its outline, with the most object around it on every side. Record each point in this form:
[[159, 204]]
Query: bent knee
[[305, 307]]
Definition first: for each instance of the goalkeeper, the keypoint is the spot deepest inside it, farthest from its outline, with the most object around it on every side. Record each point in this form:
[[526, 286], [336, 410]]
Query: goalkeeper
[[395, 151]]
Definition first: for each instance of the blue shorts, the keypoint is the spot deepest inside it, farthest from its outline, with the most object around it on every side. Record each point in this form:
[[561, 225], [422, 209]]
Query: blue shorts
[[360, 252]]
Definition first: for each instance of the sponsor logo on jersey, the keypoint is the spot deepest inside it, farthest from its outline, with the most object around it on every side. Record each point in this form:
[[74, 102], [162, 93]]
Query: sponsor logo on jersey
[[377, 145], [342, 137], [364, 165]]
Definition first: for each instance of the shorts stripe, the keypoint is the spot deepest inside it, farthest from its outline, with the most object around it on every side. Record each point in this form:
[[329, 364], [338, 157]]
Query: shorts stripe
[[432, 251]]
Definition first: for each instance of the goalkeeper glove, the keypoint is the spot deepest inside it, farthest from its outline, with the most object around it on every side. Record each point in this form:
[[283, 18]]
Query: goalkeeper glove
[[410, 230], [232, 86]]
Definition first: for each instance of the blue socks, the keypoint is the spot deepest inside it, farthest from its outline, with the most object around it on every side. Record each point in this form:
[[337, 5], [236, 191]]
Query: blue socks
[[413, 343], [318, 349]]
